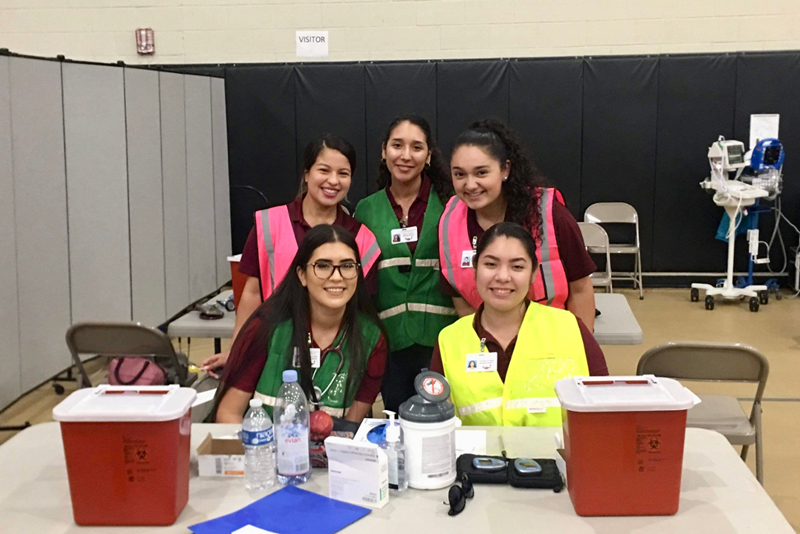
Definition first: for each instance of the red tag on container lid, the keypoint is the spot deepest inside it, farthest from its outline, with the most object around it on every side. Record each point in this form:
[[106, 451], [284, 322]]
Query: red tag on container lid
[[432, 386]]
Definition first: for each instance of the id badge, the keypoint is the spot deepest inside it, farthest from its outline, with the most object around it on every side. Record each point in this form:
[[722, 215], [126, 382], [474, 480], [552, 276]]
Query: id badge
[[467, 259], [481, 362], [404, 235], [315, 358]]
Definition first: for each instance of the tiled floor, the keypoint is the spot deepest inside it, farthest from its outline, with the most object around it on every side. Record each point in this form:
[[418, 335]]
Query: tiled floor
[[664, 315]]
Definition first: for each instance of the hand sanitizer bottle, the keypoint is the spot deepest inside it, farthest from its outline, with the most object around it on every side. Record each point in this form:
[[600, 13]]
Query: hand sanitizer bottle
[[396, 453]]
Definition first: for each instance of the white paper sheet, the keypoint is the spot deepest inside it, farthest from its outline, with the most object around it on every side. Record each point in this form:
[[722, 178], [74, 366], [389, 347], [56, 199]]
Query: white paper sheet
[[250, 529], [470, 442], [204, 397], [763, 126]]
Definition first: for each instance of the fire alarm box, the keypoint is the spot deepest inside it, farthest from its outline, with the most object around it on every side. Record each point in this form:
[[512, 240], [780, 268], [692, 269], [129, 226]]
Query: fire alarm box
[[145, 41]]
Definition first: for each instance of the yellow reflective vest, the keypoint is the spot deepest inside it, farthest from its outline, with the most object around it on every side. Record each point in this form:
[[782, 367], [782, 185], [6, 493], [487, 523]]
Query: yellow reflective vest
[[549, 347]]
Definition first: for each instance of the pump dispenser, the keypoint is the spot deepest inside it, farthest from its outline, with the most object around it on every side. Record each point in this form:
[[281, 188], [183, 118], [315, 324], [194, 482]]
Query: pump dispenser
[[396, 453]]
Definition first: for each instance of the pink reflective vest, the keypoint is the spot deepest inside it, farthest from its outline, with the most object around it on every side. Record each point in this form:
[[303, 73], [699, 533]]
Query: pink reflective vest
[[550, 285], [277, 247]]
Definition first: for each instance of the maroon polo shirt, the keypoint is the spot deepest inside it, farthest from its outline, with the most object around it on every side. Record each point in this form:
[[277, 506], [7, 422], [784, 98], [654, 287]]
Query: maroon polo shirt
[[594, 354], [416, 213], [249, 263], [256, 360], [577, 262]]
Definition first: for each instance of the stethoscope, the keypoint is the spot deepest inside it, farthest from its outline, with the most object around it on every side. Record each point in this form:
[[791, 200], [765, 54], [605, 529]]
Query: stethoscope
[[336, 350]]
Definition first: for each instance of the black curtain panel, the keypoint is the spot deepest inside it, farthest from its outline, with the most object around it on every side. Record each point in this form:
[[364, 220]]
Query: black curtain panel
[[620, 104], [467, 91], [629, 129], [395, 89], [330, 99], [546, 111]]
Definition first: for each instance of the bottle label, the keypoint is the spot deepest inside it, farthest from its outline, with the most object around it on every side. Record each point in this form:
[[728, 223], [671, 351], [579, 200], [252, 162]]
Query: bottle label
[[292, 441], [393, 458], [257, 437]]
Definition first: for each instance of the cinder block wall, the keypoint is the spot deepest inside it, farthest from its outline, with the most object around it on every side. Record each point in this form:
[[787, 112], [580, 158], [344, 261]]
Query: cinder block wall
[[210, 31]]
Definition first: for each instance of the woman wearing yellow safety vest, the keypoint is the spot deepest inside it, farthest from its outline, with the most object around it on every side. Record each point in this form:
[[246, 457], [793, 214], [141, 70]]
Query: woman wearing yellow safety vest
[[503, 361], [320, 320], [404, 216]]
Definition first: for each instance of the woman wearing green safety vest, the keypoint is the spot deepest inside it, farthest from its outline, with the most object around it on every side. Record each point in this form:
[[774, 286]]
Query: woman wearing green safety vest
[[502, 362], [404, 216], [320, 320]]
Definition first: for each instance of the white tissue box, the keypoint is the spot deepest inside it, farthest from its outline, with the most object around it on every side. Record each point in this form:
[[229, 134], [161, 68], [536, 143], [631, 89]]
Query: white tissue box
[[358, 472]]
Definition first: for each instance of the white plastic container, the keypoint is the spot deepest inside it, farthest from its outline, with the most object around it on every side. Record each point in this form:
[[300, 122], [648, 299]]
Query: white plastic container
[[429, 426]]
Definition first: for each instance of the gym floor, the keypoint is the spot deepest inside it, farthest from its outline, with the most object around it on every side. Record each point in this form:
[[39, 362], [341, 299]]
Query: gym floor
[[664, 315]]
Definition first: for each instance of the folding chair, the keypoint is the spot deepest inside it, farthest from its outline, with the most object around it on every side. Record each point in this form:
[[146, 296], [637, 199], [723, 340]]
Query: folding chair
[[596, 241], [620, 213], [126, 339], [712, 362]]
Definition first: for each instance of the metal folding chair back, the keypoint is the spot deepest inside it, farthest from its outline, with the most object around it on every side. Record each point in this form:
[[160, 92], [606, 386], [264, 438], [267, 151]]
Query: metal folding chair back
[[731, 362], [620, 213], [123, 339], [595, 239]]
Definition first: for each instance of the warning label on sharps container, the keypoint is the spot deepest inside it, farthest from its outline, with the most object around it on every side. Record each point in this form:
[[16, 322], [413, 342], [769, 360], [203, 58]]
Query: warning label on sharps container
[[649, 449], [137, 459]]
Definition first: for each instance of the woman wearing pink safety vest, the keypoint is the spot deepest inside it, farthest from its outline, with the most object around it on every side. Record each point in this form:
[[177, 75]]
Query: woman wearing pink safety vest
[[495, 181], [328, 166]]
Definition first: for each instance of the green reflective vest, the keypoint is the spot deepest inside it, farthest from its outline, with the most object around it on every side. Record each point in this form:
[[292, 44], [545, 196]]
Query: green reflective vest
[[409, 301], [336, 398]]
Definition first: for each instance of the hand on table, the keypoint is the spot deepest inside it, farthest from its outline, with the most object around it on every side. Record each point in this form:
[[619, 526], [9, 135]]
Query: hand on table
[[214, 363]]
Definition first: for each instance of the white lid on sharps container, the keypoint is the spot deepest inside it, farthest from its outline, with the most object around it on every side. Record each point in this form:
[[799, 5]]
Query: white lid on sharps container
[[646, 393], [125, 404]]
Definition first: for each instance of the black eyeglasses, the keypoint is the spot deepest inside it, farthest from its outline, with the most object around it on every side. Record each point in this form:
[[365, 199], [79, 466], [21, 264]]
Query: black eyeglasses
[[325, 269], [458, 495]]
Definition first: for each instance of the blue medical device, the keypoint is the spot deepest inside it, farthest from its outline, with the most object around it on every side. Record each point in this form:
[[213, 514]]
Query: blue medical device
[[768, 154]]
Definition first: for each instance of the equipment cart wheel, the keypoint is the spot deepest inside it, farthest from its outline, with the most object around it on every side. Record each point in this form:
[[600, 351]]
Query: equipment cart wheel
[[763, 297], [753, 304], [778, 295], [59, 389], [695, 294], [709, 302]]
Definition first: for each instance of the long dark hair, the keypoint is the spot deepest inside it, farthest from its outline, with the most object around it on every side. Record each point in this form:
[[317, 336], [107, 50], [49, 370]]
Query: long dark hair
[[436, 171], [313, 149], [290, 302], [520, 190], [510, 230]]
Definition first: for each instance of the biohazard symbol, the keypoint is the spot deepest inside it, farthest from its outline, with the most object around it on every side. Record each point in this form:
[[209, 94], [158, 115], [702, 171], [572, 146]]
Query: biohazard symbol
[[141, 454], [654, 443]]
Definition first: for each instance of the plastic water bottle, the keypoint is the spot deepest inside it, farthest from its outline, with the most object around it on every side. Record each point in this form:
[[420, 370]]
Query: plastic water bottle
[[291, 432], [259, 449]]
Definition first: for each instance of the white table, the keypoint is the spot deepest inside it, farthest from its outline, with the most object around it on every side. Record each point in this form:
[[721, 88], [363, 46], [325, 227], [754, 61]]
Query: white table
[[718, 494], [191, 325], [616, 324]]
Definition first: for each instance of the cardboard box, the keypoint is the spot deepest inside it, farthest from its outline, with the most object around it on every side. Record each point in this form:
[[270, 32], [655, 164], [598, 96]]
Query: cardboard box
[[358, 472], [218, 457]]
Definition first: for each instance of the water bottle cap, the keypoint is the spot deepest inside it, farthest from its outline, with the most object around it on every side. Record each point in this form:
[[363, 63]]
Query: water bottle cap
[[256, 403], [290, 375]]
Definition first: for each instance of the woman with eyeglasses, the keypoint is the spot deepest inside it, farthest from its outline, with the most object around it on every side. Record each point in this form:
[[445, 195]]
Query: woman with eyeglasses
[[320, 321], [328, 166], [404, 216], [502, 362]]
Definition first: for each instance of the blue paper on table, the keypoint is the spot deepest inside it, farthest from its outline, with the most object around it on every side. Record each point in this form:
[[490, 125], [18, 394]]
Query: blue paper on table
[[289, 510]]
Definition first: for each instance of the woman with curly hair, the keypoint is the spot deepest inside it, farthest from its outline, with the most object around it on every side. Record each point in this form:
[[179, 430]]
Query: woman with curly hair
[[495, 181], [404, 216]]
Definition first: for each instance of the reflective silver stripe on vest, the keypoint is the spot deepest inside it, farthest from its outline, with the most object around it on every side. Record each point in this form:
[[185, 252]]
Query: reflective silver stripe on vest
[[544, 247], [393, 262], [482, 406], [270, 248], [370, 254], [431, 308], [428, 263], [536, 403], [333, 412], [266, 400], [449, 274], [391, 312]]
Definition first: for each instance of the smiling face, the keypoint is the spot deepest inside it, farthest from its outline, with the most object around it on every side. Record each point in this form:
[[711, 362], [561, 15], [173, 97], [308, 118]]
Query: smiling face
[[335, 292], [504, 274], [477, 176], [329, 178], [406, 152]]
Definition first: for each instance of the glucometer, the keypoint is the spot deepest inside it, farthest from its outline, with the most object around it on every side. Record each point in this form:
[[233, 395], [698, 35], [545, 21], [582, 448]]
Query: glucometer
[[527, 466], [488, 465]]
